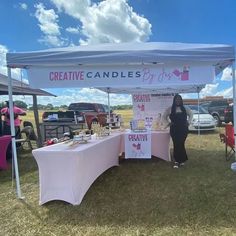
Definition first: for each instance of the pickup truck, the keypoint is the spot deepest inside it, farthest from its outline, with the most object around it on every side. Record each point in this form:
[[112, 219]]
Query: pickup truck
[[221, 110], [82, 112], [95, 113]]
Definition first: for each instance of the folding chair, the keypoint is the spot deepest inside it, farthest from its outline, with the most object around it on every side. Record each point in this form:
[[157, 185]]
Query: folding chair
[[27, 134], [27, 123], [228, 140]]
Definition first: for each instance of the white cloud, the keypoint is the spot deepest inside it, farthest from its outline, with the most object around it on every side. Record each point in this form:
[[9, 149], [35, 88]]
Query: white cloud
[[84, 95], [3, 51], [48, 23], [51, 40], [73, 30], [74, 8], [23, 6], [226, 93], [213, 90], [209, 90], [227, 74], [16, 73], [106, 21], [188, 95]]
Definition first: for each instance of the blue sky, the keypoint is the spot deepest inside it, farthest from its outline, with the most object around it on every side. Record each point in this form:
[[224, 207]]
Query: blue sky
[[34, 25]]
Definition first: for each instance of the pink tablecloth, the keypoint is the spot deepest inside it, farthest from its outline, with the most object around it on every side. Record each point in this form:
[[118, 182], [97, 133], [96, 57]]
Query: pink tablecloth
[[66, 172], [4, 142]]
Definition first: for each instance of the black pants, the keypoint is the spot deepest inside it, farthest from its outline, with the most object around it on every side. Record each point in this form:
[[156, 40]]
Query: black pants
[[178, 137]]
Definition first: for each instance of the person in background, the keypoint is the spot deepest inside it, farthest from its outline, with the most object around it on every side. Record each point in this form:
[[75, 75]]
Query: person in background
[[6, 129], [6, 119], [1, 133], [178, 117]]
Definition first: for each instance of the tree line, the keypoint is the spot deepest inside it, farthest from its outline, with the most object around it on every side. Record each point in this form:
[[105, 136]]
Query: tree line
[[50, 106]]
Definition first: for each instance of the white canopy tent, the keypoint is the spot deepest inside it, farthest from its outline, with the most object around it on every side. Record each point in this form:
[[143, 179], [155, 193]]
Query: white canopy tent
[[123, 68]]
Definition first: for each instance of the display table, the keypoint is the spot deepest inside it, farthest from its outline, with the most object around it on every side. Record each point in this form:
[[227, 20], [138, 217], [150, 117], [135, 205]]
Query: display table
[[4, 142], [67, 171], [160, 144]]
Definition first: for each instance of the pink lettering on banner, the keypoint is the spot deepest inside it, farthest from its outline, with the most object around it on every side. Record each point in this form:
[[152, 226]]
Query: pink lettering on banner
[[162, 76], [141, 98], [69, 75], [176, 72], [141, 107], [137, 137], [148, 76], [185, 73], [182, 75]]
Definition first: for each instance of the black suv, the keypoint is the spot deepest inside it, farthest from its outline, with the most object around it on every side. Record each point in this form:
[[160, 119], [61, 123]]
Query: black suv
[[220, 110]]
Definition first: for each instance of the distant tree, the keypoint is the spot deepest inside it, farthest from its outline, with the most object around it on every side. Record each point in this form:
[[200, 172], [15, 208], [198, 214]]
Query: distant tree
[[41, 107], [63, 107], [21, 104], [49, 106], [122, 107]]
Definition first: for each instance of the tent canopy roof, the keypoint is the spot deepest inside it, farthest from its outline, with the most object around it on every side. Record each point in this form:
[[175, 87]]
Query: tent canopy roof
[[219, 55], [20, 88]]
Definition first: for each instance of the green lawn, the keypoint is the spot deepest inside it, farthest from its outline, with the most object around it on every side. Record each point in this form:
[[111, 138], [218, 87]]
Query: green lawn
[[146, 197]]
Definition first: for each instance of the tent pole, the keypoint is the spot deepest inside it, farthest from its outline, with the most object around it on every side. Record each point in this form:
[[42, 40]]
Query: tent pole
[[36, 118], [198, 125], [234, 101], [13, 138], [198, 104], [109, 111]]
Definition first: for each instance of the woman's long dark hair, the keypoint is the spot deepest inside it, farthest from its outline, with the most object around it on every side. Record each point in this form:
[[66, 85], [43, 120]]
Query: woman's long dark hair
[[173, 107]]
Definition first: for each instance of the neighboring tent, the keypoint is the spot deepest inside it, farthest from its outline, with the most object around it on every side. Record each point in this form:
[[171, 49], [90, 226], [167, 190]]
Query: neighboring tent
[[21, 88], [124, 68]]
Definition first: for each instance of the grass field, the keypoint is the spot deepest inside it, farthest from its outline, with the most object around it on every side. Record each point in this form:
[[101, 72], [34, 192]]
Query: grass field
[[140, 197]]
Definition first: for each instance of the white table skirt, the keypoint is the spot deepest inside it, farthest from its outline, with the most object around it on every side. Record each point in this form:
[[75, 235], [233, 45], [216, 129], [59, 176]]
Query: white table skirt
[[66, 172]]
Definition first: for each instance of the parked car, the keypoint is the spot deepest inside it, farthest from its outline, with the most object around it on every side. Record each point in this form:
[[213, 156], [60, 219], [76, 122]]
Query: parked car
[[202, 120], [220, 110]]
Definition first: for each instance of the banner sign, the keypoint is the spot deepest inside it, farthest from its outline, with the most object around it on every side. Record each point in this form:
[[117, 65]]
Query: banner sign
[[119, 76], [150, 107], [138, 145]]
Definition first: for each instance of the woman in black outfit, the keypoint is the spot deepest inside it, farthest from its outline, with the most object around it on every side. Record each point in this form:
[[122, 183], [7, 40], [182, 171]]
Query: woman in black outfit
[[178, 115]]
